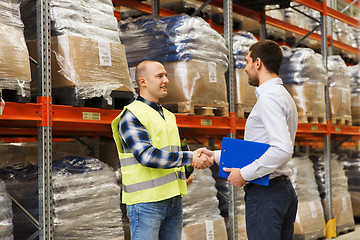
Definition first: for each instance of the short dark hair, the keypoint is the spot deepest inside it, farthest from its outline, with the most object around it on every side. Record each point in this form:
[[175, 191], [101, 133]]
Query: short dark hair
[[269, 53]]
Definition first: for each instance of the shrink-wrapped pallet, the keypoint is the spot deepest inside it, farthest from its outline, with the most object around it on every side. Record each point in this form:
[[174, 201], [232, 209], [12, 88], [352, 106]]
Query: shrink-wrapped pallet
[[354, 72], [94, 67], [304, 76], [14, 57], [341, 200], [171, 39], [201, 215], [245, 97], [87, 55], [240, 208], [6, 214], [86, 200], [309, 222], [194, 55], [339, 91], [352, 171], [196, 86], [21, 182]]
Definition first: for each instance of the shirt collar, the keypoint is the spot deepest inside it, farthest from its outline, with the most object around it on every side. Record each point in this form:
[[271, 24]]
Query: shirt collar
[[267, 85], [156, 106]]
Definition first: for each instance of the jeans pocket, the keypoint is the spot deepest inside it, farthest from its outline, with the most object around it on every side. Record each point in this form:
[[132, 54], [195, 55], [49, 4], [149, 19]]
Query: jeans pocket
[[129, 209]]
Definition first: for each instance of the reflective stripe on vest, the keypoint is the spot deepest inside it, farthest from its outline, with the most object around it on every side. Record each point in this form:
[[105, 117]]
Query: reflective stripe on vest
[[154, 182], [132, 160]]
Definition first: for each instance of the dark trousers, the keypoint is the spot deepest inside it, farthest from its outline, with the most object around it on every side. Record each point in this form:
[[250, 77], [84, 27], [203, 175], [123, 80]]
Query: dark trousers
[[270, 211]]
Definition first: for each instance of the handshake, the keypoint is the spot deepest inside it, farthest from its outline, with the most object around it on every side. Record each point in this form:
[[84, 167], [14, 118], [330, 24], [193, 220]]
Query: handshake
[[203, 158]]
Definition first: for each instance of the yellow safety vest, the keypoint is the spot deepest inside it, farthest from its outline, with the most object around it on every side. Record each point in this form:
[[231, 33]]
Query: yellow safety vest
[[144, 184]]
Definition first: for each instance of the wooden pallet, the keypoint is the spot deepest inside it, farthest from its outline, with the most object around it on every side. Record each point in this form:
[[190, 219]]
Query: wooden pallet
[[312, 118], [346, 228], [345, 121], [198, 109], [73, 96], [15, 91], [242, 111]]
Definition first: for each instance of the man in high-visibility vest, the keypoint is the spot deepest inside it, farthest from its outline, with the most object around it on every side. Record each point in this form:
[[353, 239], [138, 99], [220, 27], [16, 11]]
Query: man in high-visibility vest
[[151, 160]]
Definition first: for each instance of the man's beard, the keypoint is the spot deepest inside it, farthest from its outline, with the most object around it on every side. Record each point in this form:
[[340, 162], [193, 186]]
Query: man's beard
[[253, 81]]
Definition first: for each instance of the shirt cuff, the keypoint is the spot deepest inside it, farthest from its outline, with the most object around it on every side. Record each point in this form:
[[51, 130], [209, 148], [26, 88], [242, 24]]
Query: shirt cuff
[[217, 156], [187, 158], [247, 173]]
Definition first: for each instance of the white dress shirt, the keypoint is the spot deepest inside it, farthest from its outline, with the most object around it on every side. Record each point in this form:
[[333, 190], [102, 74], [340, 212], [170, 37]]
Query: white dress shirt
[[273, 120]]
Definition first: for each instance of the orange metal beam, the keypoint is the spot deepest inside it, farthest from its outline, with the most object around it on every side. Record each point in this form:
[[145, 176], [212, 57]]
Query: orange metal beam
[[355, 4], [143, 7], [330, 12]]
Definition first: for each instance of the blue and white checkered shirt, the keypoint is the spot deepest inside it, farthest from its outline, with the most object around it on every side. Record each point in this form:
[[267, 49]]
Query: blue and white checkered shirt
[[136, 139]]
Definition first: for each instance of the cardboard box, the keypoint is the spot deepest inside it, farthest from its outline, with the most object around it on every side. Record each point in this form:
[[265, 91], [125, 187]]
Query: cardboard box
[[342, 210], [242, 235], [14, 55], [211, 229], [310, 220], [340, 105], [355, 202], [309, 98], [86, 62], [196, 82], [355, 109]]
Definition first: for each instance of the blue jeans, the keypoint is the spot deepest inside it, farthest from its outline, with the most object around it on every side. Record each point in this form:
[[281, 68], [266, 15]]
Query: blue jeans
[[156, 220], [270, 211]]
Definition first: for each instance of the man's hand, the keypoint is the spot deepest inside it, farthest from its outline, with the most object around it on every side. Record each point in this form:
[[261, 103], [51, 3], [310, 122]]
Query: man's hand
[[235, 177], [201, 160]]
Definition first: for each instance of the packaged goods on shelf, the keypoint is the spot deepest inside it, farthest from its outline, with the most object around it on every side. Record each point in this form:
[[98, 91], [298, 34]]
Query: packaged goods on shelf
[[86, 200], [21, 182], [6, 214], [339, 91], [187, 6], [170, 39], [14, 57], [352, 171], [305, 77], [341, 200], [245, 97], [195, 85], [94, 19], [354, 72], [201, 215], [95, 68], [273, 32], [309, 222], [193, 54]]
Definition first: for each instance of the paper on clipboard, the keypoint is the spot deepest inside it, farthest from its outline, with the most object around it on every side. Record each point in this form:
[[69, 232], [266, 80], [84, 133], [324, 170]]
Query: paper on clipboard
[[236, 153]]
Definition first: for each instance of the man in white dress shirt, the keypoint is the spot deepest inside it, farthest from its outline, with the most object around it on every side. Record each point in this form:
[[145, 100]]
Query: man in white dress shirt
[[270, 210]]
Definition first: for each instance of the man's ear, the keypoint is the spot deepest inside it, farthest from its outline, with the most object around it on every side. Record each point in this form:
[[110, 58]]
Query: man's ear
[[142, 81], [258, 63]]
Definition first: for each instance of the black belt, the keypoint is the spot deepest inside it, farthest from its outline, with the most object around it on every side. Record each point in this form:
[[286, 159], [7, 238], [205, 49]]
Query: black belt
[[271, 181]]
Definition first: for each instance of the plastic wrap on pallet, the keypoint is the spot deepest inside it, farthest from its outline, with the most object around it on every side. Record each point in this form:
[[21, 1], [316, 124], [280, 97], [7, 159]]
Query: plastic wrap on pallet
[[352, 171], [14, 56], [21, 181], [196, 84], [341, 200], [86, 200], [355, 36], [90, 19], [94, 67], [302, 65], [339, 88], [241, 44], [170, 39], [309, 220], [354, 72], [342, 32], [201, 215], [6, 214]]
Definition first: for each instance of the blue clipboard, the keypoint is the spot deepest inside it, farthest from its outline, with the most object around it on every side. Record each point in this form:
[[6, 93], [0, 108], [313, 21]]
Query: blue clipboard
[[236, 153]]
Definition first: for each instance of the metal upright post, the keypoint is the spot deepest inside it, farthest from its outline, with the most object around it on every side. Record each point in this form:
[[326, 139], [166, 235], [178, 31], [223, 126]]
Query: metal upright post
[[330, 222], [263, 34], [228, 29], [155, 8], [44, 128]]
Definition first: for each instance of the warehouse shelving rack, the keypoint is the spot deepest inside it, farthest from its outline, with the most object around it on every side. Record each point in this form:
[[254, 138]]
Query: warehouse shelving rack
[[43, 120]]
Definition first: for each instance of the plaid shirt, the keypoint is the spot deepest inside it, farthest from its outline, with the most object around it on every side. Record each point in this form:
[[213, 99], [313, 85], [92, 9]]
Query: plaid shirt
[[136, 139]]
